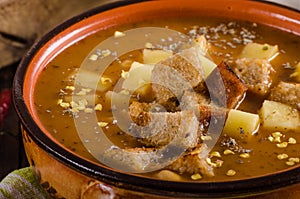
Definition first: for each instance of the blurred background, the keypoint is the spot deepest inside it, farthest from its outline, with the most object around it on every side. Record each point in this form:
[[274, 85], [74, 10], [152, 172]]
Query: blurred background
[[22, 23]]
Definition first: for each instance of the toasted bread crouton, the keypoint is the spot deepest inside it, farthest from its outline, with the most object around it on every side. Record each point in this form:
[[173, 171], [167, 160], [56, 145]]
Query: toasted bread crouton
[[171, 157], [286, 93], [211, 118], [171, 77], [191, 99], [136, 108], [225, 88], [207, 113], [161, 128], [255, 73], [170, 134], [132, 159], [141, 160], [193, 162]]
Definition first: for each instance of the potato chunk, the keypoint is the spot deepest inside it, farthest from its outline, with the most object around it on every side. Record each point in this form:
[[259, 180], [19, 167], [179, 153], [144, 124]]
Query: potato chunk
[[259, 51], [202, 46], [168, 175], [91, 79], [137, 77], [278, 116], [241, 124], [207, 64], [155, 56]]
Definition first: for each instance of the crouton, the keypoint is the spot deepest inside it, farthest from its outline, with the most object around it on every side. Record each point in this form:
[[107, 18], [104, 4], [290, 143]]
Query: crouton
[[225, 88], [191, 99], [211, 117], [135, 160], [193, 162], [255, 73], [207, 115], [140, 160], [161, 128], [206, 112], [171, 77], [171, 134], [286, 93], [136, 108]]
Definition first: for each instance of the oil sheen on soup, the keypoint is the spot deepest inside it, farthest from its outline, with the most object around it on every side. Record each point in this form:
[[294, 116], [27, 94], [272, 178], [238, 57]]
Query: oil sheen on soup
[[226, 98]]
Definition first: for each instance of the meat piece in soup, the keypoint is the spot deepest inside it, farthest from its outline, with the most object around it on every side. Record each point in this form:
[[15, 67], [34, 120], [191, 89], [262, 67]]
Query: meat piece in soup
[[227, 101]]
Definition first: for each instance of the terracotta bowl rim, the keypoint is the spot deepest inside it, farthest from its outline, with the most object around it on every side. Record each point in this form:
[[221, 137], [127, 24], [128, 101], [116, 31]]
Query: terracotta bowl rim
[[249, 186]]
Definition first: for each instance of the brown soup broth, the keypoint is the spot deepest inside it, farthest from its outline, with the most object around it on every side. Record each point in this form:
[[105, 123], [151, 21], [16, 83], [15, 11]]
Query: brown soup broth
[[226, 39]]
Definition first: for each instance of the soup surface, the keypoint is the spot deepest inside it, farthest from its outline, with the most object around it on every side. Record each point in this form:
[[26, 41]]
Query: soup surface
[[240, 76]]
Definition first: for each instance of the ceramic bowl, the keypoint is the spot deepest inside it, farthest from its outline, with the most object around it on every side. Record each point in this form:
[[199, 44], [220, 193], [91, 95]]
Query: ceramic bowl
[[64, 174]]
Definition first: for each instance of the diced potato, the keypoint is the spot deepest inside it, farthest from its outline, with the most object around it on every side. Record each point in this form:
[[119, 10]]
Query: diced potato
[[241, 124], [259, 51], [207, 64], [296, 74], [168, 175], [138, 76], [89, 79], [278, 116], [203, 44], [155, 56]]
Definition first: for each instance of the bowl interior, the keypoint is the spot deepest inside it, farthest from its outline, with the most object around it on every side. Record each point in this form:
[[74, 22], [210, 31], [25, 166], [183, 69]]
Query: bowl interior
[[101, 19]]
